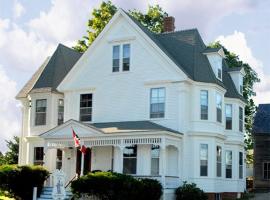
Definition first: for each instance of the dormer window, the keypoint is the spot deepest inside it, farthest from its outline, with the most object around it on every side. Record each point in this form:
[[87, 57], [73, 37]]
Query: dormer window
[[124, 62]]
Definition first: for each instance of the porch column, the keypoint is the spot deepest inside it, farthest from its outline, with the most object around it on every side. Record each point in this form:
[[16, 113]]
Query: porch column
[[118, 159], [163, 163]]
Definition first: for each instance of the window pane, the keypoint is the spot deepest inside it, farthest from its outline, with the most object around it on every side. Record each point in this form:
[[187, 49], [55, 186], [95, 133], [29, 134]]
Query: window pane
[[86, 107], [41, 107], [241, 119], [219, 161], [60, 111], [130, 159], [240, 165], [126, 57], [59, 157], [228, 114], [155, 152], [219, 107], [157, 103], [204, 104], [228, 161], [38, 155], [204, 159]]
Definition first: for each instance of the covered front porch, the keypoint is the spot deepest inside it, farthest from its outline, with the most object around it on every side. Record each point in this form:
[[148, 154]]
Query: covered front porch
[[142, 149]]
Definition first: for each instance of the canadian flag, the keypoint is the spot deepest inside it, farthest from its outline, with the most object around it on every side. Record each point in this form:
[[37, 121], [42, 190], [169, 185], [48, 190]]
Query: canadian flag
[[83, 149], [76, 139]]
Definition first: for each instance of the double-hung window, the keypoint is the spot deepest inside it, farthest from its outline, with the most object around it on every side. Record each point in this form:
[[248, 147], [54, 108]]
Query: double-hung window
[[266, 170], [228, 160], [241, 119], [157, 103], [219, 107], [124, 61], [203, 159], [86, 102], [219, 161], [240, 165], [204, 104], [41, 108], [60, 111], [38, 155], [130, 160], [155, 152], [116, 58], [228, 113]]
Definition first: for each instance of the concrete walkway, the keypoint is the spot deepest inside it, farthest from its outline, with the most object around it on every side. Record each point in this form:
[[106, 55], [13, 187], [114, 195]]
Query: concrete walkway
[[262, 196]]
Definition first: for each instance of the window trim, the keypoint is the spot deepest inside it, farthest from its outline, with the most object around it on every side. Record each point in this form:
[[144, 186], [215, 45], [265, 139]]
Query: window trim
[[207, 96], [45, 122], [151, 89]]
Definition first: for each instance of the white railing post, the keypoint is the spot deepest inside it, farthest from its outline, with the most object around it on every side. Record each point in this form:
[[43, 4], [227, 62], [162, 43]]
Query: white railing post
[[35, 193]]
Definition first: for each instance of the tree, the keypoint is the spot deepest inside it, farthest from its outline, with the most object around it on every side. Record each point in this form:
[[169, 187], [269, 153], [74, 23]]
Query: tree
[[153, 20], [11, 156], [249, 80]]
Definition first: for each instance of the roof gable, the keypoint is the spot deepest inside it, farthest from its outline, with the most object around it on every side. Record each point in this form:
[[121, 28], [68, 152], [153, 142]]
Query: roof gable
[[61, 62]]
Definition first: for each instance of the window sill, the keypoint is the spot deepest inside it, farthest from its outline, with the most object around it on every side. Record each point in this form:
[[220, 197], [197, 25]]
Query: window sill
[[121, 72]]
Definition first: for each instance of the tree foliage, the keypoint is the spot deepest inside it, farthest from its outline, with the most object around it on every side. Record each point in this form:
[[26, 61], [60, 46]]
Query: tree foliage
[[250, 79], [12, 155], [153, 20]]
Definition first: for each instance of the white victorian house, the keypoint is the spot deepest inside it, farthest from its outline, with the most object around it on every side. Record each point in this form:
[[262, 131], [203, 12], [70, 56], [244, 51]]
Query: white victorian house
[[152, 105]]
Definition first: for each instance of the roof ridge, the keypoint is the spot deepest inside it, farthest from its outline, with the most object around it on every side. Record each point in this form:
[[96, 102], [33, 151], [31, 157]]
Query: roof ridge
[[177, 31]]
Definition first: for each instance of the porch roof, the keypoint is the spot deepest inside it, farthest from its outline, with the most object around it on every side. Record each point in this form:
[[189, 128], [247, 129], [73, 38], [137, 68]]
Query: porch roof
[[86, 130]]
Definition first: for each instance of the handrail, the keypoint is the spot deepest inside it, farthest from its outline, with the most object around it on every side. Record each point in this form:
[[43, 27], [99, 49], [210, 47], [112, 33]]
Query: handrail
[[76, 175]]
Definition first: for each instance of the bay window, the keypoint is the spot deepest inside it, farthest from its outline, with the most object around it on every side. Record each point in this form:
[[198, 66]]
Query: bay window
[[228, 161], [204, 160], [219, 107], [240, 165], [241, 119], [155, 152], [41, 109], [204, 104], [219, 161], [228, 113], [60, 111]]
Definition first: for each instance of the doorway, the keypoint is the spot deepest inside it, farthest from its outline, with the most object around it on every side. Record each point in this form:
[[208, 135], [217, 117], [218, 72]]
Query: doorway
[[87, 161]]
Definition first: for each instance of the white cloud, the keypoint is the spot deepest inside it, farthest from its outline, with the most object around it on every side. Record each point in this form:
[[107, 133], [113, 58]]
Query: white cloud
[[237, 43], [18, 9], [9, 112], [65, 21], [20, 49]]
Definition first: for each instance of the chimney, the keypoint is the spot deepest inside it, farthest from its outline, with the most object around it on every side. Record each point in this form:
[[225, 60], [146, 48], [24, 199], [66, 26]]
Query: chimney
[[168, 24]]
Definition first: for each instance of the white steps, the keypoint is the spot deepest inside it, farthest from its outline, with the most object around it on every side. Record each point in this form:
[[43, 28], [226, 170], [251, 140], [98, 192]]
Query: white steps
[[46, 194]]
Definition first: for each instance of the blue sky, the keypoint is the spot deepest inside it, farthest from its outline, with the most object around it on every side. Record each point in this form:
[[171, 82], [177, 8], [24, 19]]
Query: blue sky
[[30, 31]]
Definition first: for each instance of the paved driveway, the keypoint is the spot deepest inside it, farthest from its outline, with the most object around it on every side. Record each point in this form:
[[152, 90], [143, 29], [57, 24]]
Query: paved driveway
[[262, 196]]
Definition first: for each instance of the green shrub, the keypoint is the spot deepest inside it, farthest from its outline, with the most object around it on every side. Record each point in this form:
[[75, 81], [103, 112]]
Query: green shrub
[[19, 181], [190, 192], [115, 186]]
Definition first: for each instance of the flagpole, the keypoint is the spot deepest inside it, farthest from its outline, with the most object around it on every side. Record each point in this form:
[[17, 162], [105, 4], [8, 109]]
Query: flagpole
[[82, 164]]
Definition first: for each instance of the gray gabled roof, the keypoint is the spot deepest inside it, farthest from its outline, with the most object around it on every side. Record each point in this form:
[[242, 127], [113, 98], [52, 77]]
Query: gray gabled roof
[[61, 62], [185, 48], [130, 126], [261, 124]]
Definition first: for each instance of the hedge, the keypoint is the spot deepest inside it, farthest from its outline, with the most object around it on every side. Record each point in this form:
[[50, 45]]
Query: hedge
[[115, 186], [190, 192], [19, 181]]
